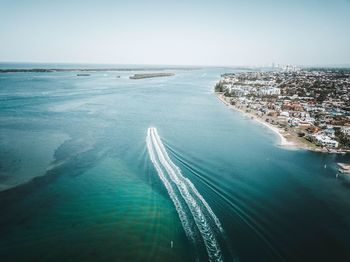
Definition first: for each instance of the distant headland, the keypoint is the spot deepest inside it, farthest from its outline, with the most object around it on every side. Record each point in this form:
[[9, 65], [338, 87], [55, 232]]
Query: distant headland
[[52, 70]]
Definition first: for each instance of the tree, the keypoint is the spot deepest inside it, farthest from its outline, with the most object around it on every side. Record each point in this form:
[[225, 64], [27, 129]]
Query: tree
[[322, 96], [219, 87]]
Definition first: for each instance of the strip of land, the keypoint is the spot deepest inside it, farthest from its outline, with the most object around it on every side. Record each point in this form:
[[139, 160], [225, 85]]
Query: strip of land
[[52, 70], [150, 75]]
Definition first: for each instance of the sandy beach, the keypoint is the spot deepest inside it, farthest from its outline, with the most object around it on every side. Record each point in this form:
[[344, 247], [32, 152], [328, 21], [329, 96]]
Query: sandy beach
[[286, 139], [283, 140]]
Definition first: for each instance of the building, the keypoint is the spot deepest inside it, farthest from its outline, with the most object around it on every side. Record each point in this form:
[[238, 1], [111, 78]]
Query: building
[[269, 91], [326, 141]]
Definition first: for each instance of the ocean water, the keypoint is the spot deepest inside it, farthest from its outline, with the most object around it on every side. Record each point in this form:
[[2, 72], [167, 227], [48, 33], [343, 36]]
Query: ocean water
[[78, 182]]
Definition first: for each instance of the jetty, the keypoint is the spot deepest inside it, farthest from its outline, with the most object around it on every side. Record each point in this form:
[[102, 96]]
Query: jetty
[[344, 168]]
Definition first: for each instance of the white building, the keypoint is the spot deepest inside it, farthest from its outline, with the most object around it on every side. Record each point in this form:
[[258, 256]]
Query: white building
[[323, 140], [284, 113], [269, 90]]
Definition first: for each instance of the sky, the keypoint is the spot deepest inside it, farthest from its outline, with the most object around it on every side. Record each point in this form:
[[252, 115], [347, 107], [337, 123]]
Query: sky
[[181, 32]]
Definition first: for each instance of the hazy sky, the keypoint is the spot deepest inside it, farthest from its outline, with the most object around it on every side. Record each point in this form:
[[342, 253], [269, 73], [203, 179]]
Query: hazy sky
[[182, 32]]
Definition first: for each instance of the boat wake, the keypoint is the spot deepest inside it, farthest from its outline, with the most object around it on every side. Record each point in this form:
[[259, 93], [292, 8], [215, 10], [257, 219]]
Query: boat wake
[[197, 218]]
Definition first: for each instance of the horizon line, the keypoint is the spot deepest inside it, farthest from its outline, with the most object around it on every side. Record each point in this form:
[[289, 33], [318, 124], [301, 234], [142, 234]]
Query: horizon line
[[341, 65]]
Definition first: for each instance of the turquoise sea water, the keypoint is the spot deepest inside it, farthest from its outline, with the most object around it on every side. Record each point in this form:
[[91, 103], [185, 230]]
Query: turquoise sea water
[[78, 184]]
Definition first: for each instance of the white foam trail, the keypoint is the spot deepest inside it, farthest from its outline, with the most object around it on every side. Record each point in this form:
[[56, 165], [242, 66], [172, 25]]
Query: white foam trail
[[178, 206], [183, 186], [190, 184]]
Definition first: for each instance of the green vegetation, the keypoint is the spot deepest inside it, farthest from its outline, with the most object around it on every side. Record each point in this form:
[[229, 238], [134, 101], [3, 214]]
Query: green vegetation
[[219, 87], [343, 139]]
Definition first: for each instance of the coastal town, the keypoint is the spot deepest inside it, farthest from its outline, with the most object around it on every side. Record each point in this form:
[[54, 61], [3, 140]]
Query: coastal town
[[308, 108]]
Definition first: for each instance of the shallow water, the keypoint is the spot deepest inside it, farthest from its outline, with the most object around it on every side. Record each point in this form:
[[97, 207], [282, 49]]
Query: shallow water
[[83, 187]]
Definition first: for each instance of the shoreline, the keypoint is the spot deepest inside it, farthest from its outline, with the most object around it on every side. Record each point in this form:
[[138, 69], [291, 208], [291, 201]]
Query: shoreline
[[286, 140]]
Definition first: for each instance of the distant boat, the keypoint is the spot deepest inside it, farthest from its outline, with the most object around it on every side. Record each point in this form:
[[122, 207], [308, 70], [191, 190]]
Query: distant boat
[[83, 74]]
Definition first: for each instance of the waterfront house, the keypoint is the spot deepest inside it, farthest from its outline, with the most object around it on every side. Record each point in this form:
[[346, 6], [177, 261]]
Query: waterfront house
[[324, 140]]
